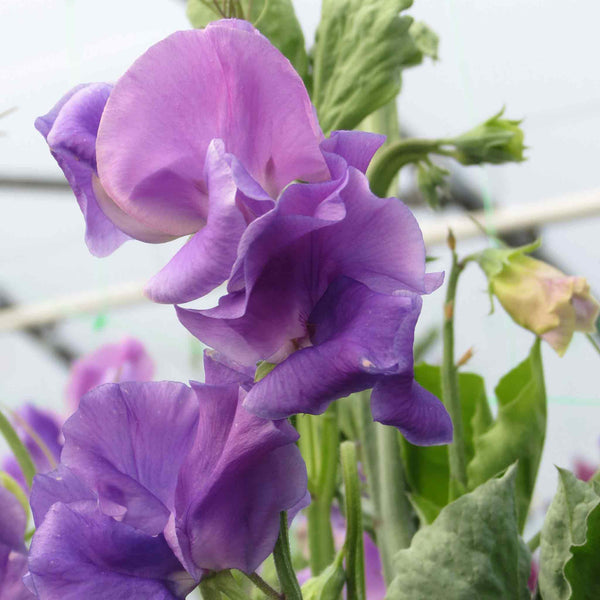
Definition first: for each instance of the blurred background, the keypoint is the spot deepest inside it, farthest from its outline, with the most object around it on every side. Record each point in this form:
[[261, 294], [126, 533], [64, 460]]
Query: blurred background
[[527, 55]]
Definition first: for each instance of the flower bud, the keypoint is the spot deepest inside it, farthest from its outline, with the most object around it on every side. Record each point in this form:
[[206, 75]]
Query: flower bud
[[495, 141], [538, 296]]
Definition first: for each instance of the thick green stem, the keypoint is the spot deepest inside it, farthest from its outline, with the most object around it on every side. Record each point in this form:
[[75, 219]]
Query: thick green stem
[[320, 450], [355, 556], [283, 563], [450, 394], [396, 523], [389, 161], [394, 519]]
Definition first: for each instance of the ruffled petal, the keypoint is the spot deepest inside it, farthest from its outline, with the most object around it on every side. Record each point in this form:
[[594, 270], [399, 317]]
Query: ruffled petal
[[227, 82], [422, 419], [98, 557], [357, 336], [60, 485], [205, 261], [357, 148], [242, 472], [127, 442], [70, 129]]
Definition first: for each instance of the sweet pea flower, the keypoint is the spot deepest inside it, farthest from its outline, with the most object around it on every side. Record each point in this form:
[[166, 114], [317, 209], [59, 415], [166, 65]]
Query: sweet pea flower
[[328, 286], [13, 554], [538, 296], [197, 138], [160, 484], [126, 360], [40, 430]]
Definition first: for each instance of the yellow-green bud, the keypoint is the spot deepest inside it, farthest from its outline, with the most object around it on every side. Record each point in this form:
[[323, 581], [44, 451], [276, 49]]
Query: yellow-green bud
[[538, 296]]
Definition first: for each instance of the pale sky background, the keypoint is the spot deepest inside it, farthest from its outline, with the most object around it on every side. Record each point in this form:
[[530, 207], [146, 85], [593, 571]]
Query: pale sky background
[[538, 58]]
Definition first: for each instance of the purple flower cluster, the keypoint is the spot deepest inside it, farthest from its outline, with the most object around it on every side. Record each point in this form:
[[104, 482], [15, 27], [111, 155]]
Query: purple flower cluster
[[211, 134], [177, 482]]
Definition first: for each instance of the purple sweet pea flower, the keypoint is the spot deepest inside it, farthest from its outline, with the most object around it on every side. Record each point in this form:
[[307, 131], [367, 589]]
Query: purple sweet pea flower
[[13, 555], [156, 478], [328, 286], [127, 360], [198, 137]]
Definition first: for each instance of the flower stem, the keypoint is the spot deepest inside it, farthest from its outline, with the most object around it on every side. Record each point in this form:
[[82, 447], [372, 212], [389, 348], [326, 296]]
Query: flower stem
[[394, 518], [320, 451], [355, 555], [534, 543], [395, 525], [263, 586], [450, 394], [283, 563]]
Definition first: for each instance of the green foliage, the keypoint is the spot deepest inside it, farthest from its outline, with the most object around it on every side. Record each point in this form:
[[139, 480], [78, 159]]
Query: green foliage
[[328, 585], [263, 368], [570, 541], [431, 180], [275, 19], [361, 49], [18, 449], [15, 489], [518, 432], [353, 545], [426, 40], [472, 551], [427, 468], [495, 141], [582, 569]]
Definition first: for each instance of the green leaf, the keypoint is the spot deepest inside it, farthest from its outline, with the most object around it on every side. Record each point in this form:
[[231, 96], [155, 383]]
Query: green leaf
[[275, 19], [582, 569], [362, 46], [472, 551], [18, 449], [329, 584], [426, 40], [518, 432], [570, 541], [426, 510], [427, 468]]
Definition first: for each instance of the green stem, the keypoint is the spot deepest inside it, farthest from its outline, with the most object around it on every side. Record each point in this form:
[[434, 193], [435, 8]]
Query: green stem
[[450, 394], [390, 160], [355, 558], [18, 449], [323, 440], [395, 522], [593, 342], [208, 591], [283, 563], [263, 586], [534, 543], [394, 519]]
